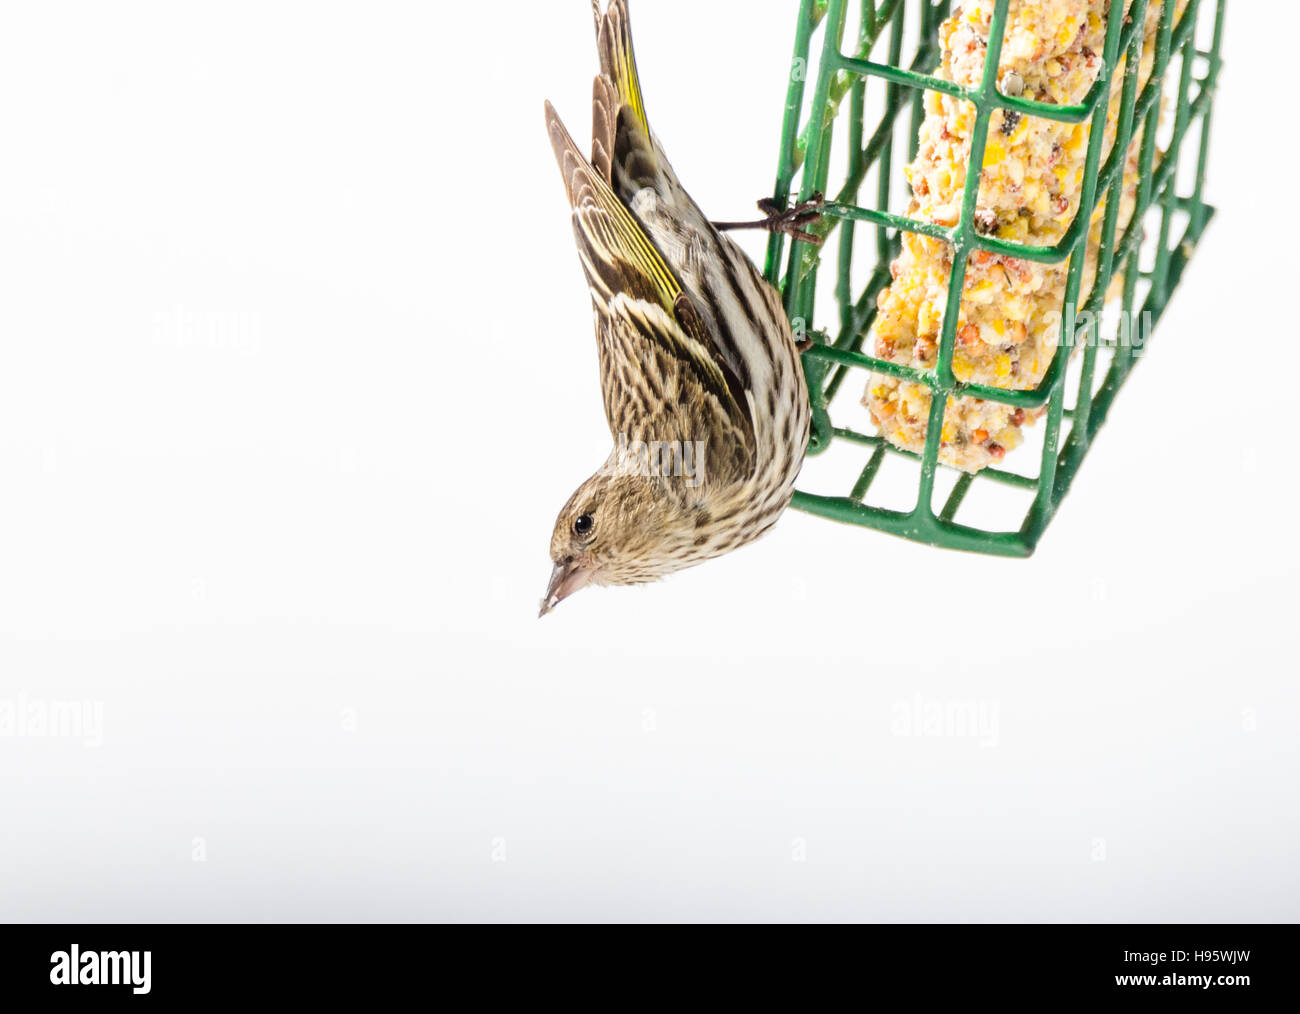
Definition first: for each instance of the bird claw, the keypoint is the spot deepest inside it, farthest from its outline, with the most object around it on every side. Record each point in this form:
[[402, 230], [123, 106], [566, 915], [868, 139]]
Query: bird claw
[[792, 221]]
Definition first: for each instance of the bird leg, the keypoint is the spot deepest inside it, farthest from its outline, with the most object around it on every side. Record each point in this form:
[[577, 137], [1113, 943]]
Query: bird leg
[[790, 221]]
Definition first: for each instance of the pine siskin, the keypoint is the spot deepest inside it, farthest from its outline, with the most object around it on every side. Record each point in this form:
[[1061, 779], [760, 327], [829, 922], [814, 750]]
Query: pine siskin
[[703, 386]]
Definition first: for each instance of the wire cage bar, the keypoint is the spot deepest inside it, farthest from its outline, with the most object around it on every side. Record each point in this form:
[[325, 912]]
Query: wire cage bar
[[873, 93]]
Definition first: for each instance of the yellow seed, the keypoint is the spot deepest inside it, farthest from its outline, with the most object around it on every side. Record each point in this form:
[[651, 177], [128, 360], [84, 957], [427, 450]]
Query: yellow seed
[[1015, 231], [925, 322], [994, 153], [1002, 366]]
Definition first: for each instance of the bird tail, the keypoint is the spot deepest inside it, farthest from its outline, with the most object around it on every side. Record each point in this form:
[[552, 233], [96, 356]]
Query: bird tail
[[618, 60], [623, 150]]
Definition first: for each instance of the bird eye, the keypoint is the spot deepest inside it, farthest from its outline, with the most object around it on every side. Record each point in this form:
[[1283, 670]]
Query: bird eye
[[584, 525]]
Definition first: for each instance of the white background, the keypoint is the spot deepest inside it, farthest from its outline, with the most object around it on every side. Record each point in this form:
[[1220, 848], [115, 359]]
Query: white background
[[297, 370]]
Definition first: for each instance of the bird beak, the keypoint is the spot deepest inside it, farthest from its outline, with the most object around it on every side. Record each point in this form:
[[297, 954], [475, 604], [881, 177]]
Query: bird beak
[[567, 578]]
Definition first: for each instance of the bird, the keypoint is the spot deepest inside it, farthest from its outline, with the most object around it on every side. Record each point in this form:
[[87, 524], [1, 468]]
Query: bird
[[701, 376]]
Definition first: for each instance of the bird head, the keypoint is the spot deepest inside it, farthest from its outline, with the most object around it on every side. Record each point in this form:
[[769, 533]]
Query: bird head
[[620, 528]]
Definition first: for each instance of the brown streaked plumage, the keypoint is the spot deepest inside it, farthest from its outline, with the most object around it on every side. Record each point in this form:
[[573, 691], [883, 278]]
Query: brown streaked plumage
[[703, 387]]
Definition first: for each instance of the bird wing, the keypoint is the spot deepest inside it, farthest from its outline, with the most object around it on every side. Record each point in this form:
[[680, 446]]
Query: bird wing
[[654, 344], [654, 395]]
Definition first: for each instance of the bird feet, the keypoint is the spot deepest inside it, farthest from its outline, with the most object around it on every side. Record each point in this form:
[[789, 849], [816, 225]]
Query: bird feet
[[792, 222]]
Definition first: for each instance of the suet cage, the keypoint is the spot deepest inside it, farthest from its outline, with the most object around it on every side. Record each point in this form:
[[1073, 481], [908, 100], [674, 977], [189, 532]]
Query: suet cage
[[867, 93]]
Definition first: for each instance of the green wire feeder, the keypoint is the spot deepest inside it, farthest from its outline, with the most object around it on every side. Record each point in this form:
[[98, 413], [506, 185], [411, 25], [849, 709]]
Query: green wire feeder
[[806, 144]]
